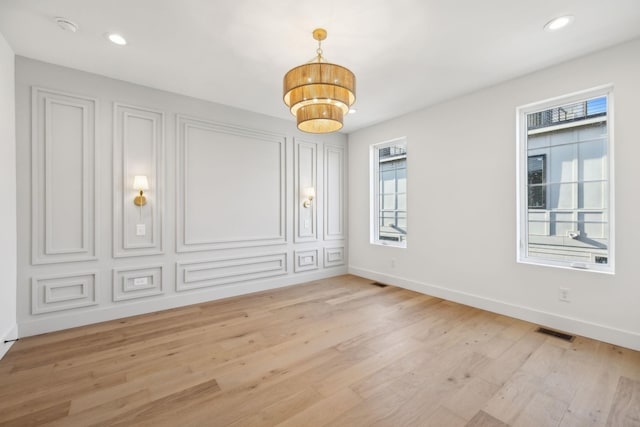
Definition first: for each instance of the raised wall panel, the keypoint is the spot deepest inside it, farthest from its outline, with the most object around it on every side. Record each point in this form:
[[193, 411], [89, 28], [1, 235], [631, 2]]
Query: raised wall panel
[[333, 257], [140, 282], [138, 149], [63, 292], [305, 173], [202, 274], [305, 260], [230, 186], [334, 200], [63, 177]]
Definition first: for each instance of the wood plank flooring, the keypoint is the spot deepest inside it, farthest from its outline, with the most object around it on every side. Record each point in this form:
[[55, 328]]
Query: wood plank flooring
[[336, 352]]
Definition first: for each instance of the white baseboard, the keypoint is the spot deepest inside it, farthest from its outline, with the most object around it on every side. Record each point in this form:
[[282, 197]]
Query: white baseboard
[[581, 327], [11, 335], [51, 323]]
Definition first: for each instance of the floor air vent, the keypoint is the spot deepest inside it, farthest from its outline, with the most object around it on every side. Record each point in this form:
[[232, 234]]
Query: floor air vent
[[381, 285], [556, 334]]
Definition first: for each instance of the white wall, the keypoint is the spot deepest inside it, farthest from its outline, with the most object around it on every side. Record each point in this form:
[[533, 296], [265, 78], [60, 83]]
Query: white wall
[[224, 214], [8, 329], [462, 204]]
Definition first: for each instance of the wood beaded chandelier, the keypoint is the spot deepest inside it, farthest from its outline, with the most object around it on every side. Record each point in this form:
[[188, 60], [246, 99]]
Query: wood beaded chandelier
[[319, 93]]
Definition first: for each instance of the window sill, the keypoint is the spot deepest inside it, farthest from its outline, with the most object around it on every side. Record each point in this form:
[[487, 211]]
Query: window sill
[[402, 245], [590, 268]]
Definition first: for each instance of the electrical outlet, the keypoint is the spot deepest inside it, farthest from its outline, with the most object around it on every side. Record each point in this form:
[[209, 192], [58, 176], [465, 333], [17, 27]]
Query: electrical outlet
[[140, 281], [563, 294], [141, 230]]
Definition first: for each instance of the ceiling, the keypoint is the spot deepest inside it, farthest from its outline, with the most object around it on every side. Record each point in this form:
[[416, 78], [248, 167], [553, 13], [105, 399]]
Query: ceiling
[[406, 54]]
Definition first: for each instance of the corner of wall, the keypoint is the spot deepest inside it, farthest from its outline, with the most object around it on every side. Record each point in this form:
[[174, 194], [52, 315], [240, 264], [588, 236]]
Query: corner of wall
[[8, 221], [8, 339]]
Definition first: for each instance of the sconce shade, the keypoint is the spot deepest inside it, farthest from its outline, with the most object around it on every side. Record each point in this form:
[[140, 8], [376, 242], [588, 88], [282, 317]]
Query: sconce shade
[[319, 93], [140, 182], [310, 193]]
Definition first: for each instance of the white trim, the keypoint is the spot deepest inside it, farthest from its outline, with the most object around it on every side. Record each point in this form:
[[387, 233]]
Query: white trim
[[206, 273], [43, 302], [521, 179], [621, 337], [42, 251], [183, 124], [66, 320], [329, 190], [300, 213], [121, 192], [305, 260], [120, 291], [334, 257]]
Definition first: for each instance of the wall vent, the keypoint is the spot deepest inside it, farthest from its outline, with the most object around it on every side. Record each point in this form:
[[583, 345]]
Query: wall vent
[[556, 334], [381, 285]]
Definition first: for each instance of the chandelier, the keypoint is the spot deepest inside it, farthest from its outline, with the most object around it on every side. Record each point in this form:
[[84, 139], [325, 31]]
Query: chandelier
[[319, 93]]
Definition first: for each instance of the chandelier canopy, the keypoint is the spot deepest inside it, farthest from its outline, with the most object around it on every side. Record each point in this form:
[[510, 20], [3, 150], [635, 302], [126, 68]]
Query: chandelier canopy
[[319, 93]]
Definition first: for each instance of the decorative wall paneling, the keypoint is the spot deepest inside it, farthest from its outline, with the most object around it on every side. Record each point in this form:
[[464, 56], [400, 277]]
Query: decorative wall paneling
[[334, 192], [63, 292], [138, 149], [305, 175], [63, 177], [207, 273], [139, 282], [233, 181], [305, 260], [334, 257], [230, 186]]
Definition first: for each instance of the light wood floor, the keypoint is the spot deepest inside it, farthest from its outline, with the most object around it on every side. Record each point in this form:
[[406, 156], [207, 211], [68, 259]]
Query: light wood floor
[[340, 352]]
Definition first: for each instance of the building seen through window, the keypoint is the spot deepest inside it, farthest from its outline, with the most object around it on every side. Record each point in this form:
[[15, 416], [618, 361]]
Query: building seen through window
[[389, 214], [567, 216]]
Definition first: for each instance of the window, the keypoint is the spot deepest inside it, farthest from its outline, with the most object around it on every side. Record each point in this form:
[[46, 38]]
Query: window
[[389, 193], [536, 176], [565, 188]]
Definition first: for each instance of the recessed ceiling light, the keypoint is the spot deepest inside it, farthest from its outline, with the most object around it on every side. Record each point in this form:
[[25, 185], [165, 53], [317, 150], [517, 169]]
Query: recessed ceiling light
[[558, 23], [117, 39], [66, 24]]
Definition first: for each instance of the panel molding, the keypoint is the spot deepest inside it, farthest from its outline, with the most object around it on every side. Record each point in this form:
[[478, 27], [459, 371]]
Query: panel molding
[[125, 286], [334, 193], [124, 168], [45, 288], [305, 216], [43, 245], [34, 325], [305, 260], [224, 271], [183, 125], [334, 257]]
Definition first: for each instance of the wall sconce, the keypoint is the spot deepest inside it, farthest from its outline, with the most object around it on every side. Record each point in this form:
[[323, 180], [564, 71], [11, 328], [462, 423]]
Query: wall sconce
[[140, 183], [309, 194]]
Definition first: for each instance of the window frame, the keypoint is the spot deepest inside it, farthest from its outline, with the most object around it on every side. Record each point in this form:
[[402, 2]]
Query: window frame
[[522, 180], [374, 178]]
